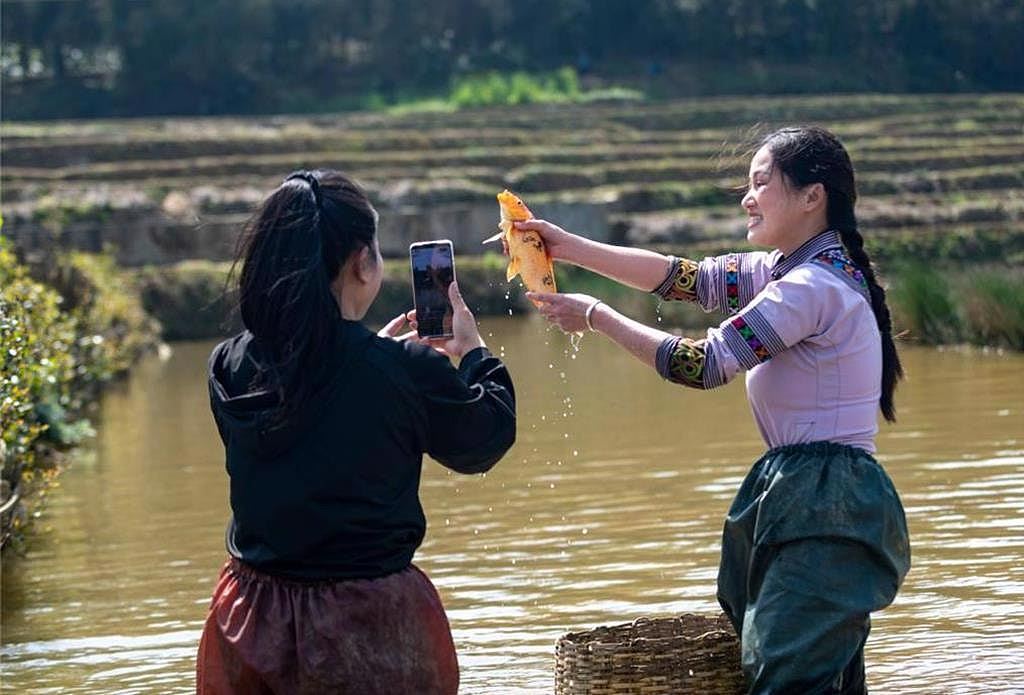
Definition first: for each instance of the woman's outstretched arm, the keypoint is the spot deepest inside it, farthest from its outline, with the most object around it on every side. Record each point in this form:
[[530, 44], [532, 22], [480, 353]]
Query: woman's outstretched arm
[[637, 268], [569, 312]]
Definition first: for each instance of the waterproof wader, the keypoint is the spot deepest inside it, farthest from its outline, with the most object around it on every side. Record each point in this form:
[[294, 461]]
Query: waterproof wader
[[815, 540]]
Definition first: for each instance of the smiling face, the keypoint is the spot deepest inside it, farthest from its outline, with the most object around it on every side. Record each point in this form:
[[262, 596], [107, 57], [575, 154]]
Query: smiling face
[[780, 215], [770, 204]]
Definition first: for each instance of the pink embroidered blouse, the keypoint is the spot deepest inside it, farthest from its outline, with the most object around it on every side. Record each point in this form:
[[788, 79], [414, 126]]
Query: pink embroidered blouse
[[803, 329]]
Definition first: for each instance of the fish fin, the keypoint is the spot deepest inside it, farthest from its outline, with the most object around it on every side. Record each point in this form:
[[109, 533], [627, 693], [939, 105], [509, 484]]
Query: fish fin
[[513, 269]]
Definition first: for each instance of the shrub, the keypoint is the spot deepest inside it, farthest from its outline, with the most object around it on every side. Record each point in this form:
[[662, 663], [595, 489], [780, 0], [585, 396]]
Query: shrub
[[67, 324], [113, 329], [36, 366]]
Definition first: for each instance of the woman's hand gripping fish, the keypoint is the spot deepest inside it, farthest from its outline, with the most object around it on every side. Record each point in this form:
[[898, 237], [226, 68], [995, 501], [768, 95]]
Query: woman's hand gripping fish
[[528, 257]]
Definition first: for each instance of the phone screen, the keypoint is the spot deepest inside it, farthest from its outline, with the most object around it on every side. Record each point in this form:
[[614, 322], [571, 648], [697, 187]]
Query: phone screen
[[433, 269]]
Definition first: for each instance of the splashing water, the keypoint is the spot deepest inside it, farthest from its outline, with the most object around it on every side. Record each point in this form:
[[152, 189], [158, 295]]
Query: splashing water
[[575, 339]]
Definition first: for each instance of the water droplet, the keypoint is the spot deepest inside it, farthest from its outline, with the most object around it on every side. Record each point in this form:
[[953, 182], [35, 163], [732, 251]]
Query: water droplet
[[584, 532], [575, 452], [574, 340]]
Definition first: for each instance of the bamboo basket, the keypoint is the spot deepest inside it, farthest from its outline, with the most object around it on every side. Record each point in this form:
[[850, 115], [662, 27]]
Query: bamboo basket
[[651, 656]]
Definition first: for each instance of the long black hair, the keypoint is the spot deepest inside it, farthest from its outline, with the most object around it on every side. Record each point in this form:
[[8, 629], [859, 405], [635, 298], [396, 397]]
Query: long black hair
[[290, 252], [808, 155]]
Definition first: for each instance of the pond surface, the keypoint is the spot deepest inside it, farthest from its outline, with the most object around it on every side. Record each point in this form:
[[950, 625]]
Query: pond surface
[[608, 508]]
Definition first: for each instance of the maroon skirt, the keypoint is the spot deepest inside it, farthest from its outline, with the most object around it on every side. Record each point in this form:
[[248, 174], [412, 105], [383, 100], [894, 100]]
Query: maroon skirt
[[265, 634]]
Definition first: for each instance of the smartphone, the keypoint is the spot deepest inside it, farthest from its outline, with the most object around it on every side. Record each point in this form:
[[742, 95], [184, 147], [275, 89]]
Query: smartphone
[[433, 270]]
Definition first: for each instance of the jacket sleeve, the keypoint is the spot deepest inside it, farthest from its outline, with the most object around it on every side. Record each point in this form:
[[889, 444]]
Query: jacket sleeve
[[719, 283], [471, 411], [785, 312]]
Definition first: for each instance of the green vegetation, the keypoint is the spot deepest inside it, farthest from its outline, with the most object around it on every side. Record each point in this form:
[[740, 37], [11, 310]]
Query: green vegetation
[[933, 304], [496, 89], [938, 305], [189, 299], [66, 327], [656, 175], [109, 58]]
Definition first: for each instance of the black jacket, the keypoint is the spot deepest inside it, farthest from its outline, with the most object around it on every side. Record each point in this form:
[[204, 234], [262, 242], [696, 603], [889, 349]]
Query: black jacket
[[336, 494]]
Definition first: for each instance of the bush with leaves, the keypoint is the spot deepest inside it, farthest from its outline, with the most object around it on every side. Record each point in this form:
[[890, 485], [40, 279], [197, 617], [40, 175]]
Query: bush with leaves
[[36, 370], [66, 326]]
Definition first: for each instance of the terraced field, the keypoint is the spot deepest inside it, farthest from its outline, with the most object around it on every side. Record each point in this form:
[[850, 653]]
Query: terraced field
[[939, 176]]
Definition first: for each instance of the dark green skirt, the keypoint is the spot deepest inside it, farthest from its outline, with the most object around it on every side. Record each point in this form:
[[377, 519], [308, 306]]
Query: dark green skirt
[[815, 540]]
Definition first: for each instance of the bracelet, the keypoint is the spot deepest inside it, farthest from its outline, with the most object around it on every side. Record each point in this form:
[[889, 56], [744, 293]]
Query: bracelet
[[590, 313]]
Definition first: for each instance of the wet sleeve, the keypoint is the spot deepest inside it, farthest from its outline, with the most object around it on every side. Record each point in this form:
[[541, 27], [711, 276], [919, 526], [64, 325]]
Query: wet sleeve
[[785, 312], [471, 411], [719, 283]]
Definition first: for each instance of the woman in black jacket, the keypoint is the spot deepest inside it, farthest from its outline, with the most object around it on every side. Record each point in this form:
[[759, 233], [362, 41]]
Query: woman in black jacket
[[324, 425]]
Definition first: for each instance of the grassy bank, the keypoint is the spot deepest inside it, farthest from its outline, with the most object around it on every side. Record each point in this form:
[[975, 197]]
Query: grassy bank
[[935, 303], [68, 324]]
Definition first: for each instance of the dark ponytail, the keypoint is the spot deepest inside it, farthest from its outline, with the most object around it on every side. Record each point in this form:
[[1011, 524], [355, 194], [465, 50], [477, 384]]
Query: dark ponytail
[[290, 252], [810, 155]]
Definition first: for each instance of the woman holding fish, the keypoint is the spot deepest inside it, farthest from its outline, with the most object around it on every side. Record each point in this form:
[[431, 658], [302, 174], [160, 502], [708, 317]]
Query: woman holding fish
[[324, 425], [816, 538]]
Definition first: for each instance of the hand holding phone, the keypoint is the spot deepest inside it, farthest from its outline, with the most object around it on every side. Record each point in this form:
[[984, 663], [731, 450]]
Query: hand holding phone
[[433, 270]]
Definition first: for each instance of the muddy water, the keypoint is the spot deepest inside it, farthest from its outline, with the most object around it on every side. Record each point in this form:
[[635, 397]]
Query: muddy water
[[608, 508]]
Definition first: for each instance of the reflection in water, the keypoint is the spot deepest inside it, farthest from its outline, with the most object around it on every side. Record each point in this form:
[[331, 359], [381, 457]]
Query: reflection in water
[[608, 508]]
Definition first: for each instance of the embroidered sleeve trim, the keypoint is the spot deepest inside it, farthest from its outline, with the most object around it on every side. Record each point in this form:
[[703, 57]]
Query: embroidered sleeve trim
[[732, 284], [681, 282], [752, 339], [685, 361], [735, 283]]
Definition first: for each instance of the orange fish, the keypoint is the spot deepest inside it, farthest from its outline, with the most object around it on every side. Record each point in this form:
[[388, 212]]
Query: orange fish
[[528, 257]]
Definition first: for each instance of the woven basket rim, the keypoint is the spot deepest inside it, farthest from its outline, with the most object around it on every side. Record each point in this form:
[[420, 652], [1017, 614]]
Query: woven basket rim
[[716, 626]]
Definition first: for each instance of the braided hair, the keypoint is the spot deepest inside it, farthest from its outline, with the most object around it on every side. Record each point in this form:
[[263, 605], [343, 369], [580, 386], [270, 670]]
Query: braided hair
[[808, 155]]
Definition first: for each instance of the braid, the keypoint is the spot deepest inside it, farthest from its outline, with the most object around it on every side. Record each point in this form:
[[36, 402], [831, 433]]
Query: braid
[[810, 154], [892, 370]]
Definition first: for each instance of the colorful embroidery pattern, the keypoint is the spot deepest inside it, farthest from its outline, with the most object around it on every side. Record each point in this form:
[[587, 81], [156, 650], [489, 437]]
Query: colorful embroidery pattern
[[838, 260], [682, 284], [753, 342], [732, 284], [687, 363]]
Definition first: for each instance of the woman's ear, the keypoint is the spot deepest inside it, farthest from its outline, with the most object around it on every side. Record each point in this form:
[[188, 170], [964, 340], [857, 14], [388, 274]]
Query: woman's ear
[[814, 196], [363, 265]]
